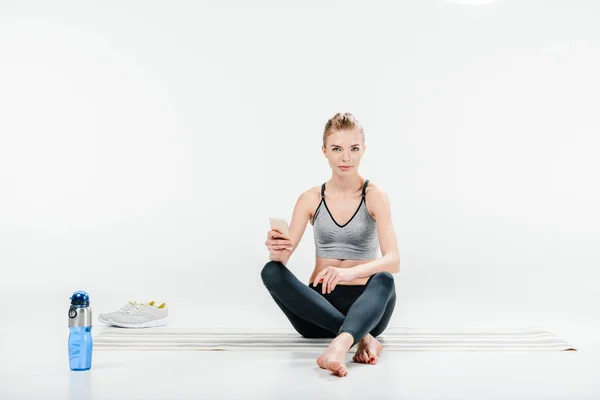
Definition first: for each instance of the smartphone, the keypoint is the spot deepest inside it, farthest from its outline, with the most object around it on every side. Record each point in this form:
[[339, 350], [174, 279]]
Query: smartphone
[[280, 225]]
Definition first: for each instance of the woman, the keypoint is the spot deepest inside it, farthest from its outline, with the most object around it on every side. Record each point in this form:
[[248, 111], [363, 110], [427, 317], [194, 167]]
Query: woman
[[351, 295]]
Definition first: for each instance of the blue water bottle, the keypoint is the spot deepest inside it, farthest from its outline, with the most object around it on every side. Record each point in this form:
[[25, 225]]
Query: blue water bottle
[[80, 336]]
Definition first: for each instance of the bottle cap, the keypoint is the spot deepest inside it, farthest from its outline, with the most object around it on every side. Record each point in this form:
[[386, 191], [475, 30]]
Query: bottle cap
[[80, 298]]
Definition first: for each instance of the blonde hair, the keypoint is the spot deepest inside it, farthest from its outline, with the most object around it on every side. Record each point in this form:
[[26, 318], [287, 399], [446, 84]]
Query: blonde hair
[[345, 121]]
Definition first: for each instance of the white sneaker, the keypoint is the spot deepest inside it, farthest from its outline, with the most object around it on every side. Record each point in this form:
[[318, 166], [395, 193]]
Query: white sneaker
[[105, 318], [141, 316]]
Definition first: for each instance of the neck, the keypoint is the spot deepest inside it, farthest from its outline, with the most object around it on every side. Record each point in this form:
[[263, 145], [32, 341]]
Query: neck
[[345, 185]]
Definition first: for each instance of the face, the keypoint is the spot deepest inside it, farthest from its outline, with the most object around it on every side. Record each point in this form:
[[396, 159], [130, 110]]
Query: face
[[344, 148]]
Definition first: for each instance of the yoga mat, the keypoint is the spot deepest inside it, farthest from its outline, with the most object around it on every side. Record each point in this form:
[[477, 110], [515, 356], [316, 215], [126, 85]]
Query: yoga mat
[[393, 339]]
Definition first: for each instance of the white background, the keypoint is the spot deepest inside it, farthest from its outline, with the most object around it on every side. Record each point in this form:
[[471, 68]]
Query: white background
[[143, 146]]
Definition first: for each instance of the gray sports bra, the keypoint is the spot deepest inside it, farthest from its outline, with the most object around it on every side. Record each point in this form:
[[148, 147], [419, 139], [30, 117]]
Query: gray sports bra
[[355, 240]]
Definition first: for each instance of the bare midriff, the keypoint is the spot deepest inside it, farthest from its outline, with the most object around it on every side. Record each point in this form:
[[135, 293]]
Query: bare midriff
[[322, 263]]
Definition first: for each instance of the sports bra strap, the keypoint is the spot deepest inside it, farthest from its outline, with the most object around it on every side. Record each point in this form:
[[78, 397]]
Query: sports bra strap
[[364, 190]]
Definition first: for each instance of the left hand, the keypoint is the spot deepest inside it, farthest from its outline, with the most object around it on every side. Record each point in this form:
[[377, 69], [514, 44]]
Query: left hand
[[331, 276]]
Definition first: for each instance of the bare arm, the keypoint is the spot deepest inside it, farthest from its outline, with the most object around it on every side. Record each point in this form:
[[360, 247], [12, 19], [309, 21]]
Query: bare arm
[[300, 218]]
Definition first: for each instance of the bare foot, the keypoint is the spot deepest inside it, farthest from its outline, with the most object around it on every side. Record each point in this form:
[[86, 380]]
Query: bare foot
[[333, 357], [368, 350]]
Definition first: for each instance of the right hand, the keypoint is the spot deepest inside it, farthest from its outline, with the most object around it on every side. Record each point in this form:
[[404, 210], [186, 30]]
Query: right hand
[[278, 246]]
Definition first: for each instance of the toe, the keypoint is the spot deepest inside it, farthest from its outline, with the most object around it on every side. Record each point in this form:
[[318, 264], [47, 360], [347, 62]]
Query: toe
[[372, 357]]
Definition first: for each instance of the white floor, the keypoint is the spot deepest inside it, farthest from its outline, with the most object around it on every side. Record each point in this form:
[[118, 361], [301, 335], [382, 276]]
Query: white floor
[[34, 365], [39, 374], [276, 375]]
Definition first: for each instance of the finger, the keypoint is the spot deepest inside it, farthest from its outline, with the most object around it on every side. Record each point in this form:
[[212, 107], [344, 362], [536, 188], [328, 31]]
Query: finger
[[329, 283], [326, 282], [334, 283], [323, 273], [275, 234], [279, 235], [322, 280], [318, 278], [280, 242], [277, 250]]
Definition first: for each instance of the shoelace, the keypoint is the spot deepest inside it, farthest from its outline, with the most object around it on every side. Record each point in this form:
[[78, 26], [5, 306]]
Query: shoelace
[[134, 308], [127, 306]]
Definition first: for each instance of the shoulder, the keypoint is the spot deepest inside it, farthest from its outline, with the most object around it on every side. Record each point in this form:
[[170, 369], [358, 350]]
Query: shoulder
[[309, 200], [311, 195], [377, 198], [375, 191]]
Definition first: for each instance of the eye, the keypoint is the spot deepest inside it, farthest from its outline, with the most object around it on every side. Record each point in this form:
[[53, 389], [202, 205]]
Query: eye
[[355, 148]]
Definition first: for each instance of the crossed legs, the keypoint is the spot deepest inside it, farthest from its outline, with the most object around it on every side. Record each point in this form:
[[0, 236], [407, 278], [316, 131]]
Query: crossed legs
[[314, 317]]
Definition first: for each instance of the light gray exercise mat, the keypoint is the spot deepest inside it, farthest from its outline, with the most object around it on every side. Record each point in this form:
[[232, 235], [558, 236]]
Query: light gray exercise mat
[[393, 339]]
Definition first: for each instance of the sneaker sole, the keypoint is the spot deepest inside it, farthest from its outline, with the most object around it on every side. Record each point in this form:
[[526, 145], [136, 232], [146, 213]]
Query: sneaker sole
[[149, 324]]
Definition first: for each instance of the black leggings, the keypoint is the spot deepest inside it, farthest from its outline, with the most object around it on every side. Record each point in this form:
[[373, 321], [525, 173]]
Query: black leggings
[[355, 309]]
